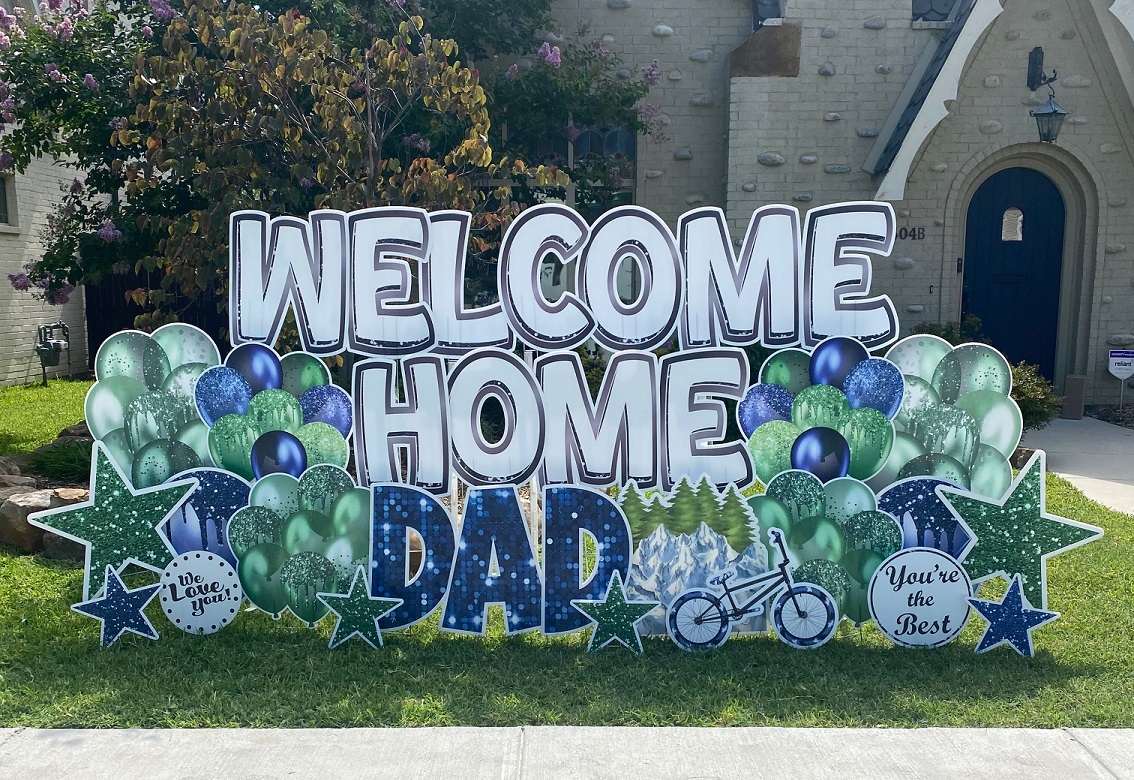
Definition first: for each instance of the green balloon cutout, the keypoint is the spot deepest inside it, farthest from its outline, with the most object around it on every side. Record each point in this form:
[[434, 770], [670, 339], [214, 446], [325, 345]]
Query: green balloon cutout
[[948, 431], [253, 525], [819, 406], [788, 368], [936, 465], [801, 492], [770, 448], [918, 396], [870, 435], [817, 537], [277, 492], [999, 420], [874, 530], [919, 355], [107, 401], [860, 566], [971, 367], [134, 354], [230, 443], [991, 474], [847, 497], [829, 576], [302, 371], [305, 575], [195, 434], [275, 410], [155, 415], [307, 531], [320, 486], [259, 571], [324, 444], [119, 447], [182, 381], [184, 344], [770, 513], [905, 449], [159, 460]]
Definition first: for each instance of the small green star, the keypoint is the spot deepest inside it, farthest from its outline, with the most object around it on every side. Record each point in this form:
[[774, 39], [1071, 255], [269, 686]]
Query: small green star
[[119, 524], [357, 612], [615, 618], [1015, 535]]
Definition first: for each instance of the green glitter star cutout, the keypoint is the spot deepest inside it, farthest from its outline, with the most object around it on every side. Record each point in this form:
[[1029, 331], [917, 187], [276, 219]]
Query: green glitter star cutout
[[1016, 535], [119, 524], [615, 618], [357, 612]]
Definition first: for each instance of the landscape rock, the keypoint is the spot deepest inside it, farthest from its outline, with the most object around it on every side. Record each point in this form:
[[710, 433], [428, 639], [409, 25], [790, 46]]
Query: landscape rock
[[14, 527], [60, 548], [9, 465], [78, 430], [14, 480]]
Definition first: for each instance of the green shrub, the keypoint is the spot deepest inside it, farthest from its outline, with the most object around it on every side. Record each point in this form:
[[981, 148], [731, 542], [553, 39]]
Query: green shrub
[[1035, 396], [964, 332], [68, 462]]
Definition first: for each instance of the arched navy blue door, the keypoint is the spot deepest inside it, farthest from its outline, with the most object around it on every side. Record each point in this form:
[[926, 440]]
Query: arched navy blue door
[[1013, 263]]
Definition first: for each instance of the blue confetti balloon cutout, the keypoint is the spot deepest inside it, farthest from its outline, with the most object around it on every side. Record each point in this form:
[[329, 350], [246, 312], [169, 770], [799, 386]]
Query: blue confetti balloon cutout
[[763, 403], [327, 404], [201, 523], [877, 384], [220, 391]]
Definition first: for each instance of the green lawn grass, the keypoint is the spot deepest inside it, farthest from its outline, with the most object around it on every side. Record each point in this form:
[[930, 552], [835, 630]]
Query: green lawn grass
[[260, 673], [31, 415]]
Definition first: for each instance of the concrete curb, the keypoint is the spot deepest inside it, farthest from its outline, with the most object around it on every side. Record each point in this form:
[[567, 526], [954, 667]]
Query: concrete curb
[[565, 753]]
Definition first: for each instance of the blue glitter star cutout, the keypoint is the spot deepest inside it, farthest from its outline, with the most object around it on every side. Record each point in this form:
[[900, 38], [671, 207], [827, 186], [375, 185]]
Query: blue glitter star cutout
[[120, 609], [1011, 620]]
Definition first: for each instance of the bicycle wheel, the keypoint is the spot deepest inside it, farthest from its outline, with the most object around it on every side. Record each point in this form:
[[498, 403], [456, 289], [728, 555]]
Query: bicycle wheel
[[808, 620], [697, 621]]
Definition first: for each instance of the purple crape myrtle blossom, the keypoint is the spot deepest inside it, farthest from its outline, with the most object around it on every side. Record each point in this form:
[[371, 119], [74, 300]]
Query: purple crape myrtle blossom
[[6, 161], [551, 54], [19, 281], [512, 72], [147, 31], [651, 74], [109, 232], [162, 10], [90, 82]]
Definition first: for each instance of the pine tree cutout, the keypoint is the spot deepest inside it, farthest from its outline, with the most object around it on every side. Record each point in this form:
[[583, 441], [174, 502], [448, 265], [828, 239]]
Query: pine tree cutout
[[684, 516], [738, 520]]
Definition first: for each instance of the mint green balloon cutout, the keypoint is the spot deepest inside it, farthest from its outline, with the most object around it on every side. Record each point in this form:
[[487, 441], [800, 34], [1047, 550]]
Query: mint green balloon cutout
[[275, 410], [991, 474], [847, 497], [107, 401], [788, 368], [184, 344], [949, 431], [302, 371], [770, 448], [230, 444], [935, 464], [904, 449], [919, 355], [999, 420], [918, 396], [971, 367], [277, 492], [870, 435]]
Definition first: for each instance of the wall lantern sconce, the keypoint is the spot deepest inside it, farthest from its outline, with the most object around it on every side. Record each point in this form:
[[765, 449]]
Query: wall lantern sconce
[[1049, 117]]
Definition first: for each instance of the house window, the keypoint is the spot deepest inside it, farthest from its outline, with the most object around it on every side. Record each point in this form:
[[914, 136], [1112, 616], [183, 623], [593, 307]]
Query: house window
[[6, 213], [763, 10], [1012, 228], [932, 10]]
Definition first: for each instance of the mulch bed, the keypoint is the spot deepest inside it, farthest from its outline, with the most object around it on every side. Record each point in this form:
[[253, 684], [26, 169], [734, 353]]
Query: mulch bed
[[1112, 414]]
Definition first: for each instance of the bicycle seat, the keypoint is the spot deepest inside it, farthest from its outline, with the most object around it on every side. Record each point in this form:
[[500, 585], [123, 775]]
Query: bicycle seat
[[722, 578]]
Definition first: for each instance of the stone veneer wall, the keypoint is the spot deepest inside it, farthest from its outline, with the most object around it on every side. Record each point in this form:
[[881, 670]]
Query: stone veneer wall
[[35, 194]]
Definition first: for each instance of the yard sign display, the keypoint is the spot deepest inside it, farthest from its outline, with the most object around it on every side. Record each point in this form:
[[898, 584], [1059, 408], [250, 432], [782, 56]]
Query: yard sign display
[[869, 481]]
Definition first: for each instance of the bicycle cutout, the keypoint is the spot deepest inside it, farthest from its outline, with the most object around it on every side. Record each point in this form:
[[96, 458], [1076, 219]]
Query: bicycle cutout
[[805, 615]]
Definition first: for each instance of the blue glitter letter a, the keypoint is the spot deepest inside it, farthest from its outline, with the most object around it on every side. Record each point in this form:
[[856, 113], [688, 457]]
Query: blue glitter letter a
[[496, 564]]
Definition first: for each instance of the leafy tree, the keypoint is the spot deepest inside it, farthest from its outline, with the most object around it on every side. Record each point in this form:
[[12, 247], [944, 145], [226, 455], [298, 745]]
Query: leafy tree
[[189, 115]]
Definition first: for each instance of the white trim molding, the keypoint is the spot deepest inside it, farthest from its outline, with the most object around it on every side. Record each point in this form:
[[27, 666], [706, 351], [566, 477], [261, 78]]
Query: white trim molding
[[944, 89]]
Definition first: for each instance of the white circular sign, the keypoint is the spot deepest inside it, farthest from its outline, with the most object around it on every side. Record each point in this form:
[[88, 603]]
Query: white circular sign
[[920, 597], [200, 592]]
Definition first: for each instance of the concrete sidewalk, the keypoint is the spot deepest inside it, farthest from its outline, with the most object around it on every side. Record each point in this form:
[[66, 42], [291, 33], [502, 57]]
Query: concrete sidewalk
[[566, 753], [1094, 456]]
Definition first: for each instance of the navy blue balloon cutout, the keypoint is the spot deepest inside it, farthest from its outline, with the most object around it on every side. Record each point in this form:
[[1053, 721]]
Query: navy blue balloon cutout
[[258, 364], [877, 384], [219, 391], [833, 360], [278, 452], [201, 523], [823, 452], [327, 404], [763, 403]]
